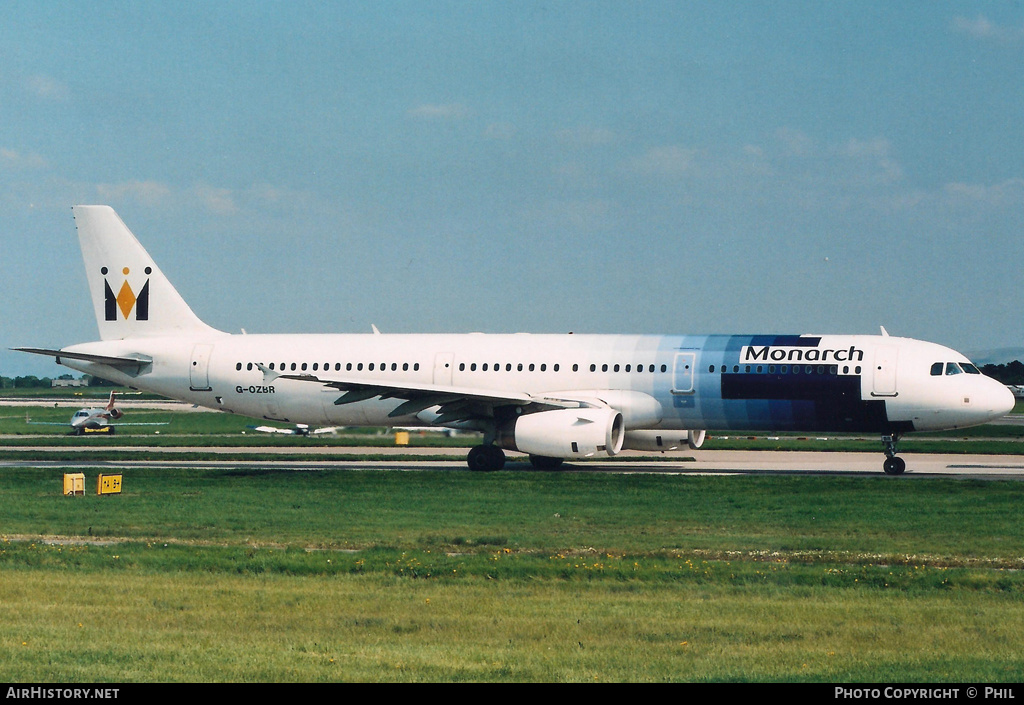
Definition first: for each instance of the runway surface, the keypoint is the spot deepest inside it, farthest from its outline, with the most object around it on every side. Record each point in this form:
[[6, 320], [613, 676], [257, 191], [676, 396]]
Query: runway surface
[[691, 462]]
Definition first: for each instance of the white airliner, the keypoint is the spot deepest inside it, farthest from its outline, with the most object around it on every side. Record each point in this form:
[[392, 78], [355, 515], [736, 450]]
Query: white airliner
[[553, 397]]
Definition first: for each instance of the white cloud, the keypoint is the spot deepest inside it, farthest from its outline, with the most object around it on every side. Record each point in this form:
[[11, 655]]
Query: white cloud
[[46, 87], [1009, 192], [503, 131], [795, 142], [217, 200], [586, 136], [13, 159], [983, 28], [669, 160], [448, 111], [150, 193]]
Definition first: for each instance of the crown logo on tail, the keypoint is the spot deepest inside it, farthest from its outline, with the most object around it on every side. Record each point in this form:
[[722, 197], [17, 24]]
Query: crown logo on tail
[[125, 300]]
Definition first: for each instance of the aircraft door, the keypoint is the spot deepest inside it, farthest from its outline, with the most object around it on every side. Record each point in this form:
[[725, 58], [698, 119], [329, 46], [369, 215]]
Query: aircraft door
[[682, 373], [443, 364], [199, 368], [884, 384]]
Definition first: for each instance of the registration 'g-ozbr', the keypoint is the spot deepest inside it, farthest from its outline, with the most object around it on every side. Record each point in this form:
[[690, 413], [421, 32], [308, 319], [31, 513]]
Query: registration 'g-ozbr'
[[553, 397]]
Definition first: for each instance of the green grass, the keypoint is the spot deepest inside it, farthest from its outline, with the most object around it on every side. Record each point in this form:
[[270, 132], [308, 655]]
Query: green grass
[[251, 575]]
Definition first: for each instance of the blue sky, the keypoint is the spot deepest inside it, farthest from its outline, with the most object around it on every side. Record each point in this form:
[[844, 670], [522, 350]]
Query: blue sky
[[633, 167]]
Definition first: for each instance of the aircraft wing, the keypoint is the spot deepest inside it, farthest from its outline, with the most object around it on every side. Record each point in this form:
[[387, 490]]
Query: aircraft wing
[[456, 403]]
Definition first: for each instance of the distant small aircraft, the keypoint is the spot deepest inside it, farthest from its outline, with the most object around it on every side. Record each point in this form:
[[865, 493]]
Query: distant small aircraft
[[96, 420]]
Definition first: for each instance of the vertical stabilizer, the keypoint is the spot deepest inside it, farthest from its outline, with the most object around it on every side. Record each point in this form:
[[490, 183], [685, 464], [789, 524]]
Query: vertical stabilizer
[[130, 295]]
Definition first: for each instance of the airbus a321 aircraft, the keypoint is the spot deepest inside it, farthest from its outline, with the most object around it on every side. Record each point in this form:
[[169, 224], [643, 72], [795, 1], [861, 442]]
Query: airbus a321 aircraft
[[553, 397]]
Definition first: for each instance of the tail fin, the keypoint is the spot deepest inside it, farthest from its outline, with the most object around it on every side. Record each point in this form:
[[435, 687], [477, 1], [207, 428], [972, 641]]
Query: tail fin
[[130, 295]]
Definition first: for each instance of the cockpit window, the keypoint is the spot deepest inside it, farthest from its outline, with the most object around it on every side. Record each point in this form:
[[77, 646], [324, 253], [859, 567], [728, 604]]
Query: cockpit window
[[970, 369], [936, 369], [952, 368]]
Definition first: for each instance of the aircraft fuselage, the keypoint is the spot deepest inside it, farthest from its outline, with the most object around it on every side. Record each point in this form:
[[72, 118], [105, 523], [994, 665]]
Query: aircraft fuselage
[[822, 383]]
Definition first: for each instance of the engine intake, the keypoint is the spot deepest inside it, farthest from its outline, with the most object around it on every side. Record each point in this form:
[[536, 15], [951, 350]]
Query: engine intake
[[565, 433]]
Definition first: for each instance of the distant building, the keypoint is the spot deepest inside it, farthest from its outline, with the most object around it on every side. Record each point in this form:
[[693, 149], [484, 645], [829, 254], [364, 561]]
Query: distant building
[[68, 383]]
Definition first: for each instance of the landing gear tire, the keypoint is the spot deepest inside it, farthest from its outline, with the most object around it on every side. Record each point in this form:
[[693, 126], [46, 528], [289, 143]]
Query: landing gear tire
[[894, 466], [486, 458], [543, 462]]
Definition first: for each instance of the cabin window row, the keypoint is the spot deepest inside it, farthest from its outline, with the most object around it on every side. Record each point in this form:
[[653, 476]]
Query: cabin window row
[[326, 367], [787, 369], [543, 367]]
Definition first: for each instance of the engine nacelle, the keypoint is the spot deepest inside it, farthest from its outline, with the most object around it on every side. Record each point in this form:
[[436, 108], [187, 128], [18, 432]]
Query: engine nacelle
[[565, 433], [663, 441], [116, 414]]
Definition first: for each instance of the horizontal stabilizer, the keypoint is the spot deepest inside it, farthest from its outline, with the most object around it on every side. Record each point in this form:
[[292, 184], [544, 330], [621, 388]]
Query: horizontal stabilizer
[[119, 362]]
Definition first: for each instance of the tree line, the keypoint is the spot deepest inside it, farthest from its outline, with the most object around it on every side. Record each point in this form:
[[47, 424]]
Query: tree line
[[31, 381], [1008, 373]]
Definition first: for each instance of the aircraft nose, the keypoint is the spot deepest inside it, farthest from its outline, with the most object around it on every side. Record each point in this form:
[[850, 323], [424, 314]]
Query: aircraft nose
[[1003, 401], [993, 400]]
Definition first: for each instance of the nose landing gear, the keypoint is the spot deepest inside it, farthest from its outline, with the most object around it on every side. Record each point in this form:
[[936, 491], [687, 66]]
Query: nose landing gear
[[893, 465]]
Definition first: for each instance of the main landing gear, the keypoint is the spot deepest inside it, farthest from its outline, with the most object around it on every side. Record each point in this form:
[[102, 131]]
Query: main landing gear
[[486, 458], [893, 465]]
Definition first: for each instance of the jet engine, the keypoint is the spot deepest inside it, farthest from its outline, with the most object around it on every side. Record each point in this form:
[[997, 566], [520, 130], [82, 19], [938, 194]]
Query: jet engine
[[565, 433], [116, 414], [664, 441]]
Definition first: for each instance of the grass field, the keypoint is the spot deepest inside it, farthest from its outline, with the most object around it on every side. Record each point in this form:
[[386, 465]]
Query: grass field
[[245, 575]]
